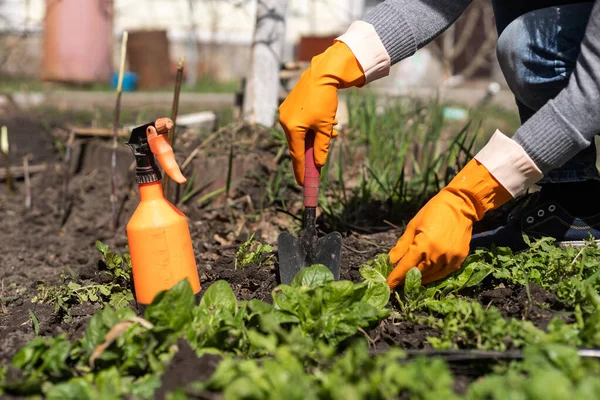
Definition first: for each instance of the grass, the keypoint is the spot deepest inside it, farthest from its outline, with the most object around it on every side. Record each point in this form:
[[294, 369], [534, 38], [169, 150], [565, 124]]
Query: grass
[[391, 159], [204, 84], [130, 115], [207, 84], [99, 116]]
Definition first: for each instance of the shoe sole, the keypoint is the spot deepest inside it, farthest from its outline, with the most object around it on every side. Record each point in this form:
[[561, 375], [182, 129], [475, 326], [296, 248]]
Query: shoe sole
[[575, 243]]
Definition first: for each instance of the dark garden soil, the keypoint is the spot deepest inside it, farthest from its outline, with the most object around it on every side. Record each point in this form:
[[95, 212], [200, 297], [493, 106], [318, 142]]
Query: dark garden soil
[[186, 367], [35, 247]]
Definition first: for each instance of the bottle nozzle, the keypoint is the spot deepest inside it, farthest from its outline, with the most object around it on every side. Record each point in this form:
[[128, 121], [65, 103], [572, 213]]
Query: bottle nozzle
[[160, 147], [163, 125]]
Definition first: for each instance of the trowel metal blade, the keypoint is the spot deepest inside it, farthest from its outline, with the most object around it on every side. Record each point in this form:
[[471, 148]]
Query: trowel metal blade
[[291, 257], [329, 252]]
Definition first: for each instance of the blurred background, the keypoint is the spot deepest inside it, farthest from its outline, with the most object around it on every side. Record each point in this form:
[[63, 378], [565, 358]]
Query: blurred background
[[76, 42]]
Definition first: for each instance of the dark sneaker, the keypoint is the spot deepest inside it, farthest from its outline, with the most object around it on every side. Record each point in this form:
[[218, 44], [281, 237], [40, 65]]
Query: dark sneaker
[[540, 216]]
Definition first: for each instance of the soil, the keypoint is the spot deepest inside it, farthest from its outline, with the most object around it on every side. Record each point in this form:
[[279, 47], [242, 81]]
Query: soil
[[186, 367], [36, 247], [405, 334], [28, 137], [537, 306]]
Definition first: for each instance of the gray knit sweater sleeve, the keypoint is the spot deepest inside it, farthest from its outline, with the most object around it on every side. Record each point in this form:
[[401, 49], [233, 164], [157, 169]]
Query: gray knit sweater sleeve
[[568, 123], [407, 25]]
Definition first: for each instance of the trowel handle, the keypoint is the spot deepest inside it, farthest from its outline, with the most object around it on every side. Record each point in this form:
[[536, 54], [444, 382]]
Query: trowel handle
[[312, 174]]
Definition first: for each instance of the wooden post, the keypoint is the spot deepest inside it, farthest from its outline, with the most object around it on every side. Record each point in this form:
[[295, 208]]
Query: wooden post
[[27, 183], [174, 111], [113, 191], [4, 149], [261, 92]]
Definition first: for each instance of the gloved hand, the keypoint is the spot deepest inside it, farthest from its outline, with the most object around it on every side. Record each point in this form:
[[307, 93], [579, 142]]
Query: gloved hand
[[312, 104], [437, 239]]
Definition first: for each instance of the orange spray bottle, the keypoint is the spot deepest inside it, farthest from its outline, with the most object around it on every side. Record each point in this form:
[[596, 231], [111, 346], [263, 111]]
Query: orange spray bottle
[[158, 233]]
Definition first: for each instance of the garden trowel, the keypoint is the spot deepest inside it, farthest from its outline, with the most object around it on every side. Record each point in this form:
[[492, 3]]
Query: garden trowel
[[309, 249]]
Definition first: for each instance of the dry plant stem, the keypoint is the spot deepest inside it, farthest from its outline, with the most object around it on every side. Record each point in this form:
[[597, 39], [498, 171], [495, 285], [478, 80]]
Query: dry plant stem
[[5, 150], [480, 58], [8, 175], [466, 34], [99, 132], [354, 250], [113, 188], [125, 197], [67, 176], [18, 172], [27, 183], [174, 111], [209, 139], [366, 335], [451, 47], [4, 310], [286, 212], [392, 225], [113, 191], [115, 332]]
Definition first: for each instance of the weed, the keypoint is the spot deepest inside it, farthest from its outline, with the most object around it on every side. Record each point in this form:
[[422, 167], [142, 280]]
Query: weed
[[204, 200], [229, 171], [251, 252], [74, 291], [119, 266], [35, 322], [462, 322], [566, 272], [189, 190]]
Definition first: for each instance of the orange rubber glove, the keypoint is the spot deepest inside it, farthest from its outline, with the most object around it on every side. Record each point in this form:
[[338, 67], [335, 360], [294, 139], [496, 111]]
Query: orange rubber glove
[[312, 104], [437, 239]]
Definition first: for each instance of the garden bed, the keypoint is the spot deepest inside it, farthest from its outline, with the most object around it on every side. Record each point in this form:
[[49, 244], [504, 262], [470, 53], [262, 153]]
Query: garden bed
[[250, 337]]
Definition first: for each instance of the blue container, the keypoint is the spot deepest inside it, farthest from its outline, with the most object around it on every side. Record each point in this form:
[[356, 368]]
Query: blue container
[[130, 81]]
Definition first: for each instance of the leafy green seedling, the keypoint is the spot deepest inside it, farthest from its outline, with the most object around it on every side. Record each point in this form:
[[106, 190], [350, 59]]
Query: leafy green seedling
[[35, 322], [74, 291], [119, 266], [251, 252]]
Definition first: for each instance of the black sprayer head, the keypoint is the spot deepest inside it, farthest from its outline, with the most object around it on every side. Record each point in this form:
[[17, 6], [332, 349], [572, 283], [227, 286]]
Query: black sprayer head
[[146, 169]]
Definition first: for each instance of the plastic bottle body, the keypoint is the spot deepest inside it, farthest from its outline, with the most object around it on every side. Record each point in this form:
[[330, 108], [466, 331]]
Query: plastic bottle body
[[160, 245]]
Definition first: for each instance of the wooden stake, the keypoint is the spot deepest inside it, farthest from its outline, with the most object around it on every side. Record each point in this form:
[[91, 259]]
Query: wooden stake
[[18, 172], [27, 182], [97, 132], [174, 110], [113, 192], [4, 149], [65, 201]]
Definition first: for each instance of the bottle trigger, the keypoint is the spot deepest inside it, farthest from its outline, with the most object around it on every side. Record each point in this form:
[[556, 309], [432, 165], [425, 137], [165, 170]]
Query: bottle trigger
[[160, 147]]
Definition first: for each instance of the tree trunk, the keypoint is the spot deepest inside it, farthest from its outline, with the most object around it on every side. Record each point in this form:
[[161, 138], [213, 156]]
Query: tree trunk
[[192, 48], [261, 92]]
